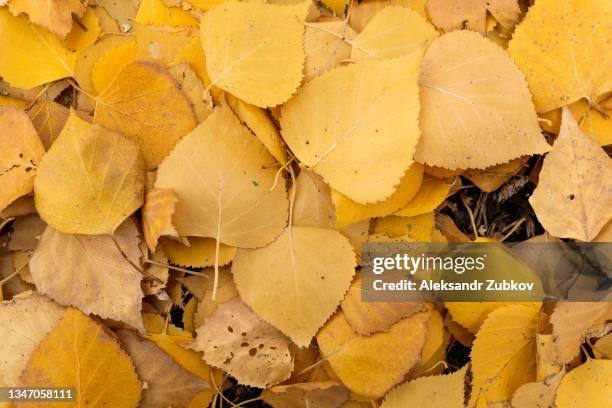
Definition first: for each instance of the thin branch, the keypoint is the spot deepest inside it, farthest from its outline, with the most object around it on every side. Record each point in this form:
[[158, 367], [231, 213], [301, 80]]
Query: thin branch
[[470, 213]]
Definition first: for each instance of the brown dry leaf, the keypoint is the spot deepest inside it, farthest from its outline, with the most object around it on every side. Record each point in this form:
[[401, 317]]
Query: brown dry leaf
[[476, 108], [394, 31], [538, 394], [202, 288], [366, 318], [312, 203], [91, 360], [240, 210], [26, 232], [330, 122], [236, 340], [451, 15], [100, 175], [439, 391], [245, 42], [370, 366], [197, 252], [53, 15], [323, 47], [603, 347], [89, 272], [572, 322], [572, 199], [24, 322], [145, 103], [20, 154], [297, 281], [157, 215], [168, 384], [328, 394]]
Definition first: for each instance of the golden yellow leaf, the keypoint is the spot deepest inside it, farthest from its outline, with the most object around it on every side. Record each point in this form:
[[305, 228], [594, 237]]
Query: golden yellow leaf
[[245, 42], [419, 228], [327, 394], [324, 50], [100, 175], [20, 154], [297, 281], [432, 193], [155, 12], [79, 352], [89, 272], [472, 315], [586, 386], [24, 321], [14, 102], [550, 47], [370, 366], [572, 199], [329, 125], [168, 384], [193, 88], [366, 318], [29, 55], [157, 216], [503, 355], [439, 391], [394, 31], [240, 210], [111, 63], [201, 286], [592, 123], [53, 15], [337, 6], [476, 108], [145, 104], [349, 212], [434, 349], [200, 252], [538, 394], [571, 322], [258, 121], [86, 33], [162, 43], [194, 55], [312, 203], [451, 15], [491, 178], [236, 340]]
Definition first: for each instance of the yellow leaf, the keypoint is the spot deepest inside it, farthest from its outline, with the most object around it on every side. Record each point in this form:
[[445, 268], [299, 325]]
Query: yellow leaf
[[91, 360], [549, 46], [48, 118], [24, 321], [155, 12], [451, 15], [193, 88], [330, 122], [157, 216], [145, 104], [603, 347], [68, 268], [168, 384], [472, 315], [432, 193], [349, 212], [236, 340], [419, 228], [110, 64], [572, 199], [194, 55], [100, 175], [324, 50], [123, 11], [366, 318], [327, 394], [14, 102], [503, 355], [439, 391], [488, 116], [162, 43], [370, 366], [53, 15], [258, 121], [246, 42], [547, 363], [201, 286], [80, 38], [586, 386], [394, 31], [20, 154], [297, 281], [434, 349], [312, 204], [30, 56], [538, 394], [491, 178], [199, 253], [240, 210], [592, 122], [337, 6]]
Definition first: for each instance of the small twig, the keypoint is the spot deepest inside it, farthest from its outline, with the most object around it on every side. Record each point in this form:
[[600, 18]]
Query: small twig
[[471, 214], [596, 107], [516, 225], [176, 268], [13, 274]]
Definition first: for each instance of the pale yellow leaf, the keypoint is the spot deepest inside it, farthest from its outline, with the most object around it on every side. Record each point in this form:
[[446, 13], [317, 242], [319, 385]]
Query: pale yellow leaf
[[328, 394], [162, 43], [324, 47], [193, 88], [548, 361], [538, 394], [451, 15], [297, 281], [312, 204], [603, 347], [419, 228], [491, 178], [157, 216]]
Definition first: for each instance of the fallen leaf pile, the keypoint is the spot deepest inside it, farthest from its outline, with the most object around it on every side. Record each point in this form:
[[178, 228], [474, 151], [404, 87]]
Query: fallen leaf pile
[[185, 186]]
